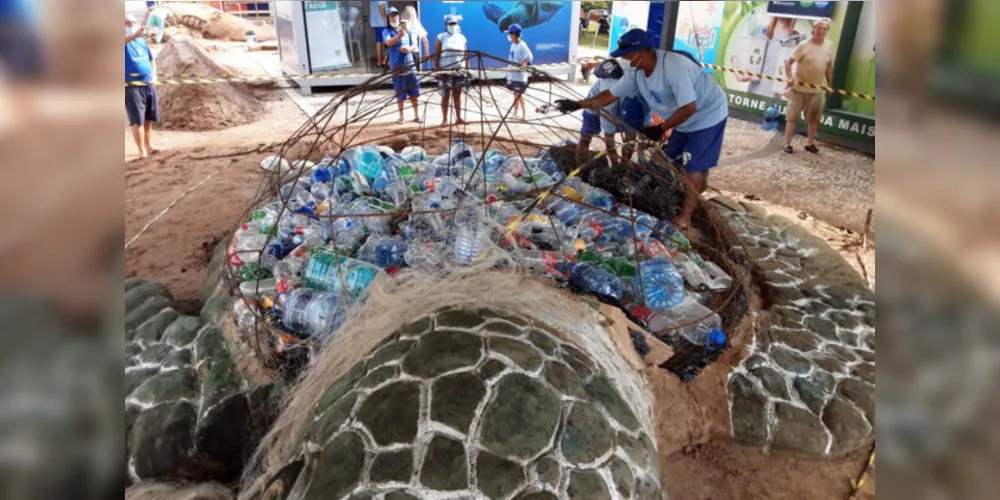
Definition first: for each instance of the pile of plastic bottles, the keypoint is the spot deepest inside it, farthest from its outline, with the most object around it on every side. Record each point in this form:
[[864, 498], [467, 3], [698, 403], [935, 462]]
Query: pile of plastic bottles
[[305, 259]]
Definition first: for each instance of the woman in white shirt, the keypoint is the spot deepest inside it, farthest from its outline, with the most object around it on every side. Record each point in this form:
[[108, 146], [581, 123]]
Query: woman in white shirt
[[451, 56]]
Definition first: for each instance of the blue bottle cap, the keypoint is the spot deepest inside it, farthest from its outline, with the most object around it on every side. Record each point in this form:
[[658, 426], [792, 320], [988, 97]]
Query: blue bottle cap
[[716, 339]]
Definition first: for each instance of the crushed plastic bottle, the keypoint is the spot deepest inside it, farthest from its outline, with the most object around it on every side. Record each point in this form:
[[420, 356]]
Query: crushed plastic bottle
[[413, 154], [366, 160], [468, 246], [384, 252], [687, 314]]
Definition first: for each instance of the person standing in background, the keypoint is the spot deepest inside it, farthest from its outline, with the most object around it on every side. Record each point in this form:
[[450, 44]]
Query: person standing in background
[[517, 81], [158, 19], [813, 60], [402, 44], [21, 58], [450, 51], [378, 16], [140, 100], [414, 25]]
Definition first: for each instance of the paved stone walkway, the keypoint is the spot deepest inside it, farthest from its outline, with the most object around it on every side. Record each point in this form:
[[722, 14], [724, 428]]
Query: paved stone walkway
[[474, 404], [188, 413], [808, 384]]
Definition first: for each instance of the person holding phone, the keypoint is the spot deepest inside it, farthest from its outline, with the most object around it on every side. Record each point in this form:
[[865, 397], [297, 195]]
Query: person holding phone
[[402, 45]]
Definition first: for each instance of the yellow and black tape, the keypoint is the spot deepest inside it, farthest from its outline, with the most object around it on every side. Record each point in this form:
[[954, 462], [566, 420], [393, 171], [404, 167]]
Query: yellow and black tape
[[207, 79], [740, 72], [864, 475], [514, 224]]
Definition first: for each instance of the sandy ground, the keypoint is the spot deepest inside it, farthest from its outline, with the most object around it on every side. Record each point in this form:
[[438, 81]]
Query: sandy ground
[[698, 461]]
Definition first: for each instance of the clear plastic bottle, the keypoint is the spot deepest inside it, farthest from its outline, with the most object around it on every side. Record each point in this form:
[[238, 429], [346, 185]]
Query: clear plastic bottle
[[600, 198], [663, 286], [257, 289], [513, 166], [413, 154], [383, 252], [692, 273], [311, 312], [682, 317], [718, 279], [468, 246], [706, 333], [330, 272], [542, 261], [589, 276]]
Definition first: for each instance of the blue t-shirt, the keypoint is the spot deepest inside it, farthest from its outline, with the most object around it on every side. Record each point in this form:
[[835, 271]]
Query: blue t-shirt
[[396, 56], [519, 52], [138, 60], [375, 16], [677, 82]]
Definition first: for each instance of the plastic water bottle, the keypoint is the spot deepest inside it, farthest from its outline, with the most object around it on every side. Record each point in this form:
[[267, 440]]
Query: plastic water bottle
[[413, 154], [567, 211], [426, 257], [771, 117], [663, 287], [469, 243], [707, 333], [542, 261], [671, 237], [383, 252], [513, 166], [311, 312], [717, 278], [589, 276], [366, 160], [325, 270], [684, 316], [600, 198]]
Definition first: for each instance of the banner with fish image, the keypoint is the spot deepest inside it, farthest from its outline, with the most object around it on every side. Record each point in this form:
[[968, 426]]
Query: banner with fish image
[[546, 26]]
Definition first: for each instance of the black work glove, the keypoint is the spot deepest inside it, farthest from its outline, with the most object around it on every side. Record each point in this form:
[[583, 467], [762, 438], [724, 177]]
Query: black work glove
[[653, 132], [567, 106]]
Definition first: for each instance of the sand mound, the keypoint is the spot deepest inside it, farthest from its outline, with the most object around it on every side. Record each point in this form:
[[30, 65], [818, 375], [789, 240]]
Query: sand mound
[[214, 24], [210, 106]]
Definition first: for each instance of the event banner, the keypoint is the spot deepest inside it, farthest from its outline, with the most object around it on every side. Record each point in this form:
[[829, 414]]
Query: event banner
[[546, 27], [804, 10], [625, 16], [327, 45], [749, 38], [699, 25], [283, 12], [861, 75]]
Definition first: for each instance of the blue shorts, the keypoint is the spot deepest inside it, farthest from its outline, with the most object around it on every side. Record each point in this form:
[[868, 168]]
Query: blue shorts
[[378, 34], [141, 105], [635, 113], [406, 86], [517, 87], [591, 124], [702, 148]]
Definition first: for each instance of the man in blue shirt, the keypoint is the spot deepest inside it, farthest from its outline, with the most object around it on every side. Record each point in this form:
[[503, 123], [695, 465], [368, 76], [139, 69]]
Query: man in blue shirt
[[677, 88], [402, 44], [140, 95]]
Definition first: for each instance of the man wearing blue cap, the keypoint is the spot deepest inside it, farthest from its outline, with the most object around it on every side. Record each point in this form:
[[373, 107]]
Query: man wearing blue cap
[[402, 44], [675, 87]]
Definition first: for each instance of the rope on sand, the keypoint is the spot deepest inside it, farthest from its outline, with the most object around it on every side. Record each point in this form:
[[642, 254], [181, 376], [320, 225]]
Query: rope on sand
[[172, 204]]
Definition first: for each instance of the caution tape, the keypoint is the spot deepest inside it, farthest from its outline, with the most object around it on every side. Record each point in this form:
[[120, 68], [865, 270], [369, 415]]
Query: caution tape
[[864, 475], [191, 79], [514, 224], [846, 93]]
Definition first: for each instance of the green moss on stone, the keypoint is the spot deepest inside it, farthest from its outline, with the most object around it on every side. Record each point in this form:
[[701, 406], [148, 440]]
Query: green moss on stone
[[587, 485], [339, 467], [442, 351], [542, 341], [564, 379], [391, 413], [520, 353], [391, 352], [522, 418], [498, 477], [444, 465], [491, 368], [392, 466], [587, 436], [603, 392], [378, 377], [454, 400]]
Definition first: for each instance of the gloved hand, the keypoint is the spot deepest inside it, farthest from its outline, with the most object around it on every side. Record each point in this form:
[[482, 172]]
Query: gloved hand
[[567, 106], [653, 132]]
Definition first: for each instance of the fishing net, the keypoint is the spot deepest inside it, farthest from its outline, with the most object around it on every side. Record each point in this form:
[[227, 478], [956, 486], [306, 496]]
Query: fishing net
[[352, 202]]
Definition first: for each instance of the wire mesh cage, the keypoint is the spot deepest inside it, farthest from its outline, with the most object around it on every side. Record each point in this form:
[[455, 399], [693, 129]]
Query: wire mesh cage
[[351, 198]]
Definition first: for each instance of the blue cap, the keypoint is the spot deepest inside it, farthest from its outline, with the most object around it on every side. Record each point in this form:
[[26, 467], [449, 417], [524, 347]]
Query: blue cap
[[450, 18], [391, 11], [632, 41], [609, 69], [515, 29], [716, 340]]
